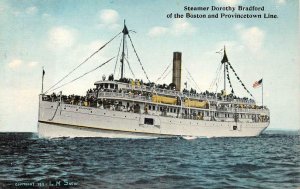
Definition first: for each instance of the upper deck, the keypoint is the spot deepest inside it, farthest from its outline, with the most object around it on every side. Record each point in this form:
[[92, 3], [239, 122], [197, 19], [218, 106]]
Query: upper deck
[[115, 85]]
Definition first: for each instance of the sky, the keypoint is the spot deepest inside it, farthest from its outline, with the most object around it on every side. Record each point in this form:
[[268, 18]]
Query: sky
[[59, 35]]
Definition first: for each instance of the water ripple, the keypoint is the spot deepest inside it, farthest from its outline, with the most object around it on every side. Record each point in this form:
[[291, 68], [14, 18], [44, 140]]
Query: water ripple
[[268, 161]]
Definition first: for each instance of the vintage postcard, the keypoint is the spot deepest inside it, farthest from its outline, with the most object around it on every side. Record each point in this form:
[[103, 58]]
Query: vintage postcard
[[149, 94]]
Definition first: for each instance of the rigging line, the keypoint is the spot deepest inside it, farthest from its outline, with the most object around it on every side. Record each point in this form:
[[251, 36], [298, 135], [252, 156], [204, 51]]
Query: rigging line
[[217, 71], [215, 79], [228, 77], [167, 74], [127, 54], [192, 79], [218, 80], [126, 48], [84, 61], [118, 56], [239, 79], [163, 73], [84, 74], [119, 73], [138, 58], [129, 67], [189, 82]]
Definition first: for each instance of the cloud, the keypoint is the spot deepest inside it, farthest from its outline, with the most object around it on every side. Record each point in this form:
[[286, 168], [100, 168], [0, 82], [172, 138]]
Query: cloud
[[60, 38], [46, 15], [15, 64], [281, 2], [181, 26], [31, 10], [157, 31], [252, 37], [177, 28], [109, 18], [229, 2], [3, 7], [32, 64]]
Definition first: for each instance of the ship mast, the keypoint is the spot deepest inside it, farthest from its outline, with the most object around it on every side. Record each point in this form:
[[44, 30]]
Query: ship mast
[[224, 61], [125, 32], [227, 64]]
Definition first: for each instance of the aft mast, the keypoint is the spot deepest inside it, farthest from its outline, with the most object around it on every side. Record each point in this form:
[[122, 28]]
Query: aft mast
[[125, 32], [224, 61]]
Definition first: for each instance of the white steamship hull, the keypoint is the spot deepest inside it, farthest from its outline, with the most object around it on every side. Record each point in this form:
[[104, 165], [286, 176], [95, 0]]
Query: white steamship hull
[[79, 121]]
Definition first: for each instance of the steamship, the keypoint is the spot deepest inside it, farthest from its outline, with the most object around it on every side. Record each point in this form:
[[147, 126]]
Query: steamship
[[131, 108]]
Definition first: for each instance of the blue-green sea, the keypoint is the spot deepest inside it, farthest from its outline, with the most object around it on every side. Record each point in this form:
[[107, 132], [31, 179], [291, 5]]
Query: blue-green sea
[[268, 161]]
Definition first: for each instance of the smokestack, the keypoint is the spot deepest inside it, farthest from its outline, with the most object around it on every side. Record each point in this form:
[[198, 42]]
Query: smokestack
[[177, 70]]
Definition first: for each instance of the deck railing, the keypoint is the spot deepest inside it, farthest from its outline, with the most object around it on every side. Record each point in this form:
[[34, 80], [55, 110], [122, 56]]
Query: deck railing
[[187, 95], [125, 95], [131, 96]]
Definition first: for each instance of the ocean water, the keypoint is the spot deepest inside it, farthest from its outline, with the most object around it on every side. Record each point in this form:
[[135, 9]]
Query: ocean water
[[267, 161]]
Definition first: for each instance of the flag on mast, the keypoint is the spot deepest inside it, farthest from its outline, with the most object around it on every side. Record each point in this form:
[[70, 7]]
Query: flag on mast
[[257, 84]]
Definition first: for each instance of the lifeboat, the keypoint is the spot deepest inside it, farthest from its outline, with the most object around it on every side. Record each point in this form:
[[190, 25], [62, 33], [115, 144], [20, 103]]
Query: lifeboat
[[195, 103], [164, 99]]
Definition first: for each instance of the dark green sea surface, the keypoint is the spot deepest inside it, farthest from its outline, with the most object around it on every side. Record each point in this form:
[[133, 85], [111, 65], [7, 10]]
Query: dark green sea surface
[[267, 161]]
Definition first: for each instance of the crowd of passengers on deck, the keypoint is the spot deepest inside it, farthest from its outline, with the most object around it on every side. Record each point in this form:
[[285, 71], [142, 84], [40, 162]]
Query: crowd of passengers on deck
[[91, 100], [115, 105], [192, 92]]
